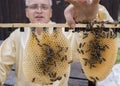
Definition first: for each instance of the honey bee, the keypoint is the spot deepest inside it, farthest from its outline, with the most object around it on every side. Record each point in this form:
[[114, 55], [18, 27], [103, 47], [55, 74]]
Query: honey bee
[[97, 78], [33, 80], [81, 45], [94, 80], [59, 50], [70, 62], [59, 78], [85, 35], [66, 49], [64, 58], [80, 51]]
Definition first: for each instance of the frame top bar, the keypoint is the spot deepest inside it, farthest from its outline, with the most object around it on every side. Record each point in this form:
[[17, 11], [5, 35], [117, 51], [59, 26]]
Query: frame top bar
[[14, 25]]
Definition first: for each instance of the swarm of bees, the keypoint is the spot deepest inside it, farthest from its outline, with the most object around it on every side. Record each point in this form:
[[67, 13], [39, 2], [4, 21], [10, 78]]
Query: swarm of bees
[[47, 60], [98, 50]]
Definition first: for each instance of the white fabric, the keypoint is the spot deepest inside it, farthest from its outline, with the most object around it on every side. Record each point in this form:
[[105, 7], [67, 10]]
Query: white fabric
[[113, 78]]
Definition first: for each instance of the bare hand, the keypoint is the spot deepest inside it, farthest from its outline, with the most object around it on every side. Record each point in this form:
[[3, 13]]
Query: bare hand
[[81, 10]]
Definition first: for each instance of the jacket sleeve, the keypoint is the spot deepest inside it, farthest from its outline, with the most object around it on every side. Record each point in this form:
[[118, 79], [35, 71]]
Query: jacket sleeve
[[7, 57], [103, 14], [75, 38]]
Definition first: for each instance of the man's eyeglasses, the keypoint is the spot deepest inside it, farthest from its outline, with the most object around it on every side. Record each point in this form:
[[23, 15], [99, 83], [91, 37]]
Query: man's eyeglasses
[[36, 6]]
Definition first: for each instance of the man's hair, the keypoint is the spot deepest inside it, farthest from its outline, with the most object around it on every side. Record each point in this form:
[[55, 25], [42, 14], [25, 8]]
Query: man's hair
[[27, 1]]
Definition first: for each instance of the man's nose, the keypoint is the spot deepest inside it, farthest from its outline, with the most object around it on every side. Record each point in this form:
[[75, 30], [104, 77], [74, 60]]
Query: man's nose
[[39, 9]]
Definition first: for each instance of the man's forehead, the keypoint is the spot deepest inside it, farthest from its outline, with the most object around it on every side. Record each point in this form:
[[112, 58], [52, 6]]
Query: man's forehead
[[39, 2]]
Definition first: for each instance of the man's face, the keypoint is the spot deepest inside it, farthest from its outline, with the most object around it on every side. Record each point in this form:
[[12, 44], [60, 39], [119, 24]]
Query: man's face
[[39, 11]]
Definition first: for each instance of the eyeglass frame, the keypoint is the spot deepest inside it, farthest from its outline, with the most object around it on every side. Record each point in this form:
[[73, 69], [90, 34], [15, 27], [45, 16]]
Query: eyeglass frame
[[37, 6]]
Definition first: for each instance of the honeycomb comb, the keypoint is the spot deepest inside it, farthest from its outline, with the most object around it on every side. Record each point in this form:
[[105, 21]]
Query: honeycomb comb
[[98, 52], [47, 57]]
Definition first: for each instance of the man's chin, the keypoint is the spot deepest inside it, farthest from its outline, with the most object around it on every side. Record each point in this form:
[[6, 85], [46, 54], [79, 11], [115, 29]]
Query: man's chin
[[39, 22]]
